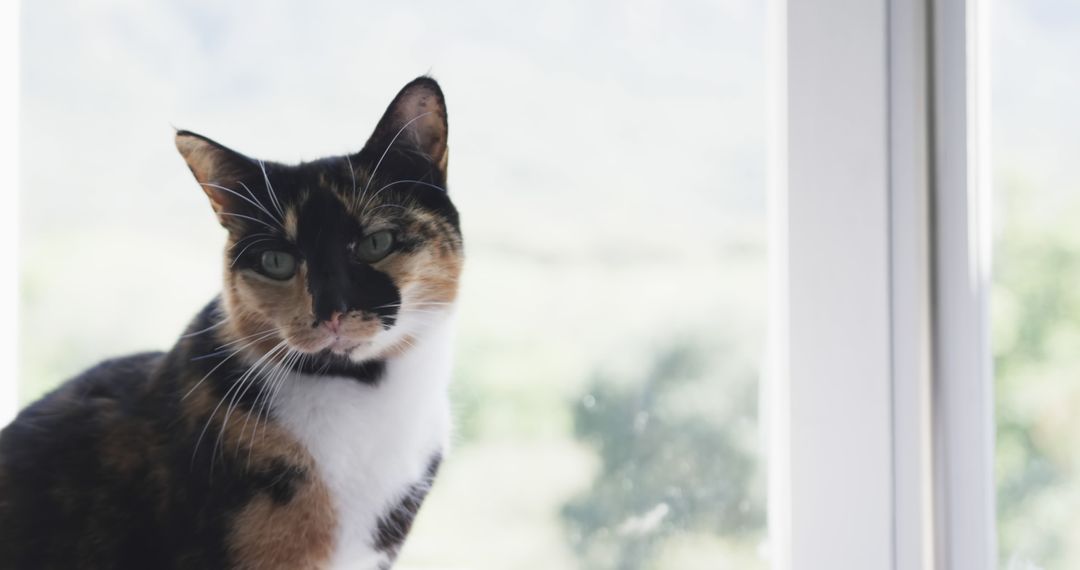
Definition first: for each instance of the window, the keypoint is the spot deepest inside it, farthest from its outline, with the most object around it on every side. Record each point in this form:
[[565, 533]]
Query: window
[[609, 161], [1036, 327], [750, 284]]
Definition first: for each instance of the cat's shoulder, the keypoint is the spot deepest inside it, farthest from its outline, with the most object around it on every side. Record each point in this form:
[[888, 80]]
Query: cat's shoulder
[[114, 378], [76, 406]]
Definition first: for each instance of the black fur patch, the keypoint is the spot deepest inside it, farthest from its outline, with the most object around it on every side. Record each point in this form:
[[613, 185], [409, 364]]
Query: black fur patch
[[394, 526], [330, 364], [336, 281], [280, 480]]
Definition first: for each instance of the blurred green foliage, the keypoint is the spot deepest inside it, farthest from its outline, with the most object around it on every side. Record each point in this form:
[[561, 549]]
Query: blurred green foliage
[[1036, 338], [666, 468]]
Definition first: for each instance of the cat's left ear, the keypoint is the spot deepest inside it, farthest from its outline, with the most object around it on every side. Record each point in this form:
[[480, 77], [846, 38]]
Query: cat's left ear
[[416, 117]]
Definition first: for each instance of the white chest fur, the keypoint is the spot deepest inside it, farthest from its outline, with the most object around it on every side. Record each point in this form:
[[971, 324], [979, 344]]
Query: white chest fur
[[372, 442]]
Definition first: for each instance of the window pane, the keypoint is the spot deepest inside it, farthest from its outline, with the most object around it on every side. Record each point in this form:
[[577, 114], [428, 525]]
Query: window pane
[[608, 160], [1036, 300]]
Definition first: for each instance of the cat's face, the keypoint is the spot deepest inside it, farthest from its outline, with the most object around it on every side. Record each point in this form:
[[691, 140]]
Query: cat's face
[[350, 255]]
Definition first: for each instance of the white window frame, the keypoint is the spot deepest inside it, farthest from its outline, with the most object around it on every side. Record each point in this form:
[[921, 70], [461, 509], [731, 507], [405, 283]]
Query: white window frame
[[881, 422], [9, 214]]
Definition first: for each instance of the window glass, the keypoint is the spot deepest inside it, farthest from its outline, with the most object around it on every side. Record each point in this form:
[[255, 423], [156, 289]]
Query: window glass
[[1036, 290], [608, 160]]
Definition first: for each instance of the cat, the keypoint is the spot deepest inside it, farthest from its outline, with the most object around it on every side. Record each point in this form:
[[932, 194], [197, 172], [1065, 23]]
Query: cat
[[301, 418]]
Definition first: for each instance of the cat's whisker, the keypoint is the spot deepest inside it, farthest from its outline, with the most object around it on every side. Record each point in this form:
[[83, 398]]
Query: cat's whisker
[[219, 365], [271, 387], [390, 145], [248, 190], [270, 189], [281, 371], [246, 247], [266, 380], [262, 382], [379, 191], [292, 359], [257, 235], [248, 241], [234, 404], [244, 198], [252, 194], [398, 206], [213, 413], [408, 343], [247, 379], [412, 303], [410, 310], [424, 321], [417, 302], [247, 218], [216, 325], [243, 338], [209, 419], [299, 365], [352, 174], [222, 351]]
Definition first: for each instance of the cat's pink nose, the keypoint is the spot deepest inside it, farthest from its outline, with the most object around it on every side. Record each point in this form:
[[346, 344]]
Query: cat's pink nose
[[334, 324]]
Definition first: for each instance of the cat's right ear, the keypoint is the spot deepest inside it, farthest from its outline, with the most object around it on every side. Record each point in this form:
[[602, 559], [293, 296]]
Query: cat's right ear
[[416, 116], [217, 169]]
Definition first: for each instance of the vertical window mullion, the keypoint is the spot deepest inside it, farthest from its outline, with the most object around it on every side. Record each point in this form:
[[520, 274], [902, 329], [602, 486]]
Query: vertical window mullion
[[909, 132], [830, 387], [963, 387]]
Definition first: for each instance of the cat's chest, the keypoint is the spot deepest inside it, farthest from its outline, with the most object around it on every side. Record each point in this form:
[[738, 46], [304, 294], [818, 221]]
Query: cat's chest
[[371, 444]]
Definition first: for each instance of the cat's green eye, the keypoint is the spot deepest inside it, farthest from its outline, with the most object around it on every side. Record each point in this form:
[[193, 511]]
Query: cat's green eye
[[375, 246], [278, 264]]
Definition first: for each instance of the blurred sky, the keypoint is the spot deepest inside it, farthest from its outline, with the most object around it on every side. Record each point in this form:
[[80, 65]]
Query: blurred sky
[[1035, 53], [596, 132]]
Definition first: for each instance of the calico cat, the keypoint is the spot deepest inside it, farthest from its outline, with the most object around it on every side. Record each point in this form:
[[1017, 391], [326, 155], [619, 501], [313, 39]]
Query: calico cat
[[300, 420]]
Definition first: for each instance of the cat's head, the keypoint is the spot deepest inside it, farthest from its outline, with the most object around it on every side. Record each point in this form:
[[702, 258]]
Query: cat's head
[[349, 255]]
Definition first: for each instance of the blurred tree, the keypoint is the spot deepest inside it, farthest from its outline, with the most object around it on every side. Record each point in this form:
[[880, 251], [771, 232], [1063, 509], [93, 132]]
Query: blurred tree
[[666, 465], [1036, 326]]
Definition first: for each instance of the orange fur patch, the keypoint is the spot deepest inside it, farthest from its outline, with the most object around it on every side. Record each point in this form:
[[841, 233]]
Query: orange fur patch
[[296, 535]]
